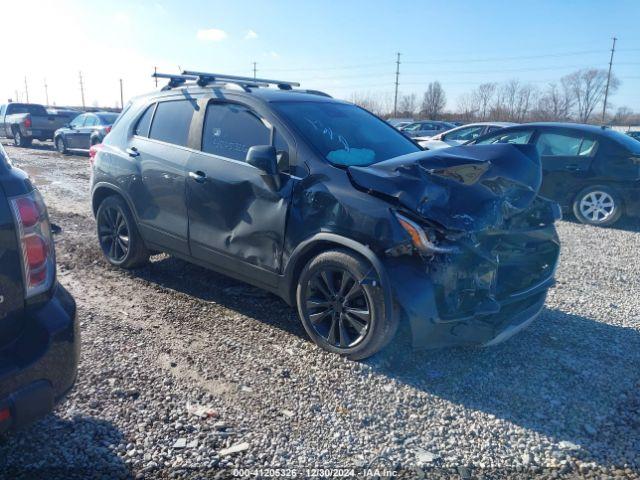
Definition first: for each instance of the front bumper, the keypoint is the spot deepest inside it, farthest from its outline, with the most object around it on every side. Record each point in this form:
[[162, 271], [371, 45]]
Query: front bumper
[[41, 365], [459, 300]]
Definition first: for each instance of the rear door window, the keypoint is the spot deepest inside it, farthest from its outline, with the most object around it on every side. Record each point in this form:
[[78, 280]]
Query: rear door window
[[172, 121], [91, 121], [78, 121], [230, 130], [551, 144]]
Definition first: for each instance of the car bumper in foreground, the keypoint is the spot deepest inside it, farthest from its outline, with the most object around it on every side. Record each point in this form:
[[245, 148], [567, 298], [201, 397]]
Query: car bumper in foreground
[[40, 367]]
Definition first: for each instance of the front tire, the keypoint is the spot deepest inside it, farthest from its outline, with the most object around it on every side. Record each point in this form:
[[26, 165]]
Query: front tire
[[118, 234], [340, 311], [61, 145], [598, 205]]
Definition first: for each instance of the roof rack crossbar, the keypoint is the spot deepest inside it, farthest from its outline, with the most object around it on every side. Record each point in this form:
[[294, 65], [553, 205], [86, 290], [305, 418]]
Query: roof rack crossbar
[[208, 77]]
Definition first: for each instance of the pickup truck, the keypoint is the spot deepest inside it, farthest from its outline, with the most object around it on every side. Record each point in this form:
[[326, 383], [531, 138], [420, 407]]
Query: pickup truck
[[39, 340], [25, 121]]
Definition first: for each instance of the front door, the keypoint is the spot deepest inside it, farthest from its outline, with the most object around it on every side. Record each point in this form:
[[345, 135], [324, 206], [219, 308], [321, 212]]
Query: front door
[[237, 215], [566, 161], [72, 135]]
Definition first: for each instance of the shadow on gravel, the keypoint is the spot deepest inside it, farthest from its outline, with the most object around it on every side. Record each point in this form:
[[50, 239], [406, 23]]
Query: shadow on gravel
[[56, 448], [209, 286], [628, 224], [568, 377], [46, 146]]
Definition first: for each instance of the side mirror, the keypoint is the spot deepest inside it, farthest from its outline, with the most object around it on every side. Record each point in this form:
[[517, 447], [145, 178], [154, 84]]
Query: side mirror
[[265, 158]]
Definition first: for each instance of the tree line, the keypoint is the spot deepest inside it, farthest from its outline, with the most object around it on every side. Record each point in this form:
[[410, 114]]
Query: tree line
[[576, 97]]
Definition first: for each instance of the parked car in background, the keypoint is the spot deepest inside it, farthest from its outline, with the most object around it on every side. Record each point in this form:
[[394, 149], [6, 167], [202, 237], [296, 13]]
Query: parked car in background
[[331, 208], [460, 135], [425, 128], [634, 134], [400, 122], [39, 340], [27, 121], [84, 131], [592, 171], [401, 125]]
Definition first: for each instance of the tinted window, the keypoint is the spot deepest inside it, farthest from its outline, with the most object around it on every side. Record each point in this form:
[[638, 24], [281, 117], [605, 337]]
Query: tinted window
[[26, 108], [625, 140], [78, 121], [465, 134], [345, 134], [517, 136], [144, 123], [230, 130], [172, 121]]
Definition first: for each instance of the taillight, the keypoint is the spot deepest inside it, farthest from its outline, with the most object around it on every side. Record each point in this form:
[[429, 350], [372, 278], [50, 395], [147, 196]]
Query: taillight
[[108, 129], [27, 122], [93, 151], [36, 241]]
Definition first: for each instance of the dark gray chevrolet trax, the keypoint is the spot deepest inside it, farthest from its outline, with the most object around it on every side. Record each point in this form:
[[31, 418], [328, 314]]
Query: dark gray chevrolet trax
[[331, 208]]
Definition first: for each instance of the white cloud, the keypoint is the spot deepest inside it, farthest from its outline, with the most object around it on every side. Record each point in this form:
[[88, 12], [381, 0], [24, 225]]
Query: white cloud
[[251, 35], [212, 35]]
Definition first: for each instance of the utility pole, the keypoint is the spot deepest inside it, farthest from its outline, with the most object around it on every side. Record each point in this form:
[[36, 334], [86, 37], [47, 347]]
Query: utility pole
[[121, 96], [17, 96], [606, 91], [395, 98], [26, 88], [46, 91], [81, 89], [254, 70], [155, 70]]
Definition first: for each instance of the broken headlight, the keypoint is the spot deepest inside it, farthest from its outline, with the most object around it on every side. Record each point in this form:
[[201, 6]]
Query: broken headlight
[[423, 239]]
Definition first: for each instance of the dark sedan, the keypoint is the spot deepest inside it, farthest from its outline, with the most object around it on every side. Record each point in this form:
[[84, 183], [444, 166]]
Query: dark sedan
[[39, 342], [590, 170], [84, 131]]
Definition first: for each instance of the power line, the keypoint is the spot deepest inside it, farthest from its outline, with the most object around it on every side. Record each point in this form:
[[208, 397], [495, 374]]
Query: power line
[[606, 91]]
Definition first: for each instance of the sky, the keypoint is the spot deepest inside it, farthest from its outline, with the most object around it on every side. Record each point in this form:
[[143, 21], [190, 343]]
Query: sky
[[340, 47]]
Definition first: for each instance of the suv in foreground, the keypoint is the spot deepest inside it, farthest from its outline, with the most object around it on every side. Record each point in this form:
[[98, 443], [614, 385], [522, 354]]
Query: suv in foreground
[[39, 341], [331, 208], [590, 170]]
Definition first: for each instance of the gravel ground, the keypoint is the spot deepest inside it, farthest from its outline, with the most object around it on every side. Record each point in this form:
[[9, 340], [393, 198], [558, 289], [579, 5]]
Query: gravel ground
[[179, 364]]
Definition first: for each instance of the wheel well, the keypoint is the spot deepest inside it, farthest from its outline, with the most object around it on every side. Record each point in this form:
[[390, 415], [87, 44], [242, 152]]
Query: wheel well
[[100, 195], [14, 128], [301, 260]]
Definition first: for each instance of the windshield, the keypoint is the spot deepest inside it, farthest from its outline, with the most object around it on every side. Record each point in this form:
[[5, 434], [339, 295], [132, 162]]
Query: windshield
[[345, 134]]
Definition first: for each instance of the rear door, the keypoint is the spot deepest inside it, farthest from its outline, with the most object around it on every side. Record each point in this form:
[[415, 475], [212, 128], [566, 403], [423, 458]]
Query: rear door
[[162, 153], [566, 157], [236, 216]]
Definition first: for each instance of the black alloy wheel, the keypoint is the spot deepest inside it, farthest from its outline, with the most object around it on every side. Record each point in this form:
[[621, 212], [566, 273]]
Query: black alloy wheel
[[113, 234]]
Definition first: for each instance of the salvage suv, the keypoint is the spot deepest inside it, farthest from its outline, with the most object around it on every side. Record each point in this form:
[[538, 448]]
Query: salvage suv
[[332, 209], [39, 340]]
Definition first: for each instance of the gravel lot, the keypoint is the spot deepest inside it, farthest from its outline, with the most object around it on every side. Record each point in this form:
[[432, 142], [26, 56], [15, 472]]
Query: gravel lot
[[179, 364]]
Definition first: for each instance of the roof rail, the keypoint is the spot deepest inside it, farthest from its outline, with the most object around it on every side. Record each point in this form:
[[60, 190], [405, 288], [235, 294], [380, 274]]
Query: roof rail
[[206, 77]]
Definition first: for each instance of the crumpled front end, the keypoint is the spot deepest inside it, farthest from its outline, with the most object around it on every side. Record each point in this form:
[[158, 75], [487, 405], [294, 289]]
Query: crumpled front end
[[481, 249]]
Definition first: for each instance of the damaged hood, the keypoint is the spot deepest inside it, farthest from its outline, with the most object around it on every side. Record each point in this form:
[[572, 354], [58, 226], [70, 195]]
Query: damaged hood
[[466, 188]]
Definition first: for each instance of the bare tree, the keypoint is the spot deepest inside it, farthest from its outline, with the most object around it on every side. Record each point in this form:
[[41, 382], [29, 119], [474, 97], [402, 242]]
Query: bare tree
[[587, 87], [556, 102], [482, 98], [434, 101], [467, 108], [374, 102], [623, 116], [408, 105]]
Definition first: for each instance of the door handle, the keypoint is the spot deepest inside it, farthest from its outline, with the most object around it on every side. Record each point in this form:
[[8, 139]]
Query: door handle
[[133, 152], [198, 176], [572, 167]]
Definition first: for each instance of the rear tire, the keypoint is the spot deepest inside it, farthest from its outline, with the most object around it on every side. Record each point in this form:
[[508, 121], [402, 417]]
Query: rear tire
[[20, 140], [340, 314], [118, 234], [598, 205]]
